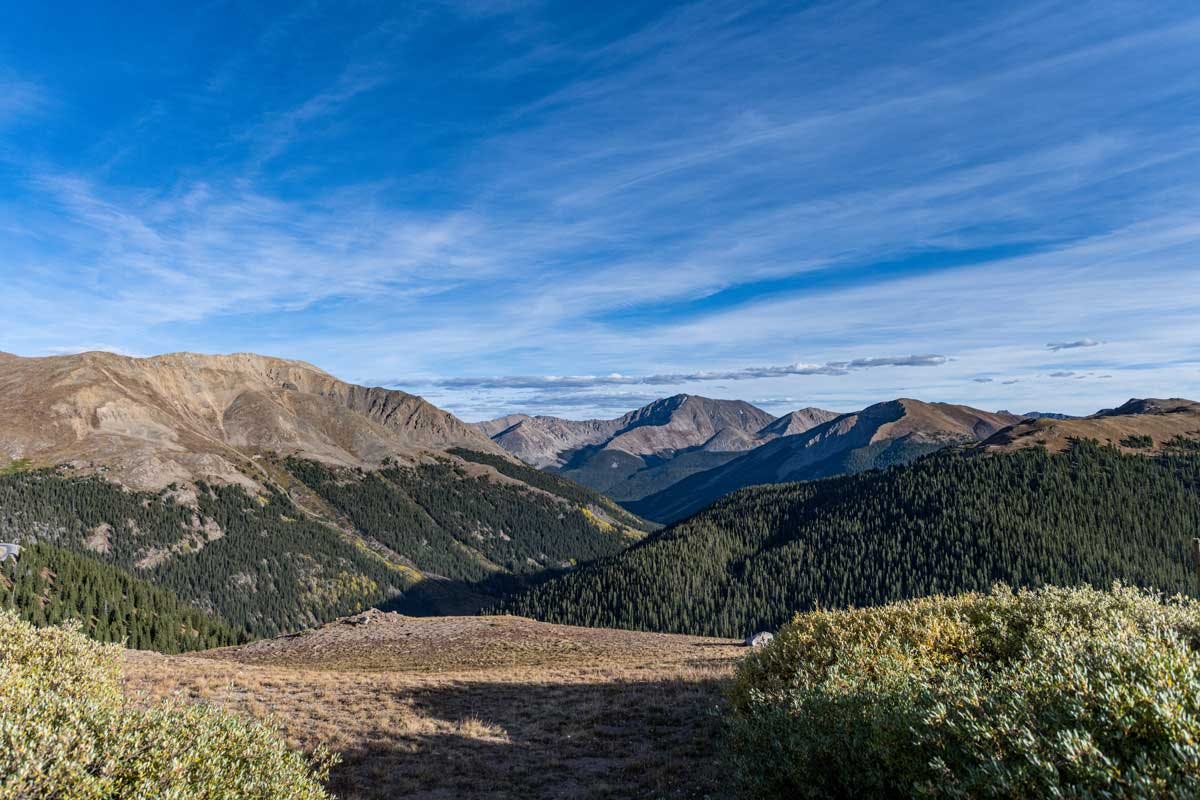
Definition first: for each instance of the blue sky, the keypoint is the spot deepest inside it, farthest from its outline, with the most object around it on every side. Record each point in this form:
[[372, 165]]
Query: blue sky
[[573, 208]]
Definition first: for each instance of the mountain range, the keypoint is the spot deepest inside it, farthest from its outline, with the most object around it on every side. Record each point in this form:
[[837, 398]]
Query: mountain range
[[677, 455], [268, 493], [650, 448], [181, 417], [1110, 497]]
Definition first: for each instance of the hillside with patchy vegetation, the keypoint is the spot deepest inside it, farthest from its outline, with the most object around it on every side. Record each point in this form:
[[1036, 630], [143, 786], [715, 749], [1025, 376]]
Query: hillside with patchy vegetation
[[321, 542]]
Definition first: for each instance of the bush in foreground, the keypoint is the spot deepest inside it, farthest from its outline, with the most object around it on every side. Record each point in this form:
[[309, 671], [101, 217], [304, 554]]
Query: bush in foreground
[[66, 731], [1069, 693]]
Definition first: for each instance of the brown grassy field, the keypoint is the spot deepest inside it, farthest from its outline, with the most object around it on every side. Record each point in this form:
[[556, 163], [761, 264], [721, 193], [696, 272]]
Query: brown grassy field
[[463, 707]]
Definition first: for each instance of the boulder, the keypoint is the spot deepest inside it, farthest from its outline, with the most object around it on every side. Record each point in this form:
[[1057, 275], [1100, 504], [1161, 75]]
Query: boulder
[[760, 639]]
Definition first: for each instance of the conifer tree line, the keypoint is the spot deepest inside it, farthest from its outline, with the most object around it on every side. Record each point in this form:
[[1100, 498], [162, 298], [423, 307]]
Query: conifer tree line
[[49, 585], [950, 522]]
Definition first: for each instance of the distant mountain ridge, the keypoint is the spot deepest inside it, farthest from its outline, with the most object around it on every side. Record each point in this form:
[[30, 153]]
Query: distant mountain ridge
[[883, 434], [1044, 415], [661, 463], [649, 448], [661, 427]]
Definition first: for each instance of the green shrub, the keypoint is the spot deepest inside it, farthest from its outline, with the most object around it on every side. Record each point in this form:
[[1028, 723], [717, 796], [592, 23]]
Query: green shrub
[[66, 731], [1184, 444], [1069, 693]]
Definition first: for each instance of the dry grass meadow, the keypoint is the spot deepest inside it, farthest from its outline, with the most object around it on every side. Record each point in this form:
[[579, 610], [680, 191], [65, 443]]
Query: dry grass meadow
[[464, 707]]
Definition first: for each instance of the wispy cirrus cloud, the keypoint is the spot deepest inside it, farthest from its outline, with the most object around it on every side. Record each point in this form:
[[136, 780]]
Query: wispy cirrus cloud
[[1075, 345], [648, 203], [20, 99], [674, 378]]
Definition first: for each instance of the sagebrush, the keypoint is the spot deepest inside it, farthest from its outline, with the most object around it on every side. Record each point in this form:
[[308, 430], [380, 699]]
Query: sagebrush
[[1069, 693], [67, 731]]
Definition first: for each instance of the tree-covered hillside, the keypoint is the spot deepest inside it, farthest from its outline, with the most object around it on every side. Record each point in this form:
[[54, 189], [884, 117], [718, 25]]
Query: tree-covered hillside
[[557, 485], [49, 585], [319, 543], [447, 523], [948, 523], [259, 562]]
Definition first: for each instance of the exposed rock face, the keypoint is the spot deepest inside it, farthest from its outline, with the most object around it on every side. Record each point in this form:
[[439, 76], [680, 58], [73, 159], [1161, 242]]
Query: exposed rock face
[[885, 433], [795, 422], [183, 416], [548, 441], [686, 421]]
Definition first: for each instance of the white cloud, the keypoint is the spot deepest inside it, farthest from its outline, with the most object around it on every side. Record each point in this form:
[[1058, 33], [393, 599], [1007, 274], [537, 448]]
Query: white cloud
[[92, 348]]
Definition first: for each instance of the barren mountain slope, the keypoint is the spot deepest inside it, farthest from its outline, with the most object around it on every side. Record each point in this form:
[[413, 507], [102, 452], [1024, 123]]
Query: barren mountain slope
[[542, 441], [1126, 427], [638, 453], [179, 417], [659, 429], [885, 433], [684, 421], [492, 427], [795, 422]]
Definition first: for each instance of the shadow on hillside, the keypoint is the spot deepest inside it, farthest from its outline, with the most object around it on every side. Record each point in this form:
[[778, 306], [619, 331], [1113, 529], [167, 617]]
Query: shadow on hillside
[[442, 597], [546, 740]]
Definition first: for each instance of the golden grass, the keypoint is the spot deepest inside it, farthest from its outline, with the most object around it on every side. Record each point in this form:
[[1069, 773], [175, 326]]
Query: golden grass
[[477, 707]]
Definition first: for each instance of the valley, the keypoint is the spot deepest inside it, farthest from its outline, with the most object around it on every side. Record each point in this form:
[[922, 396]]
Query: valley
[[954, 521]]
